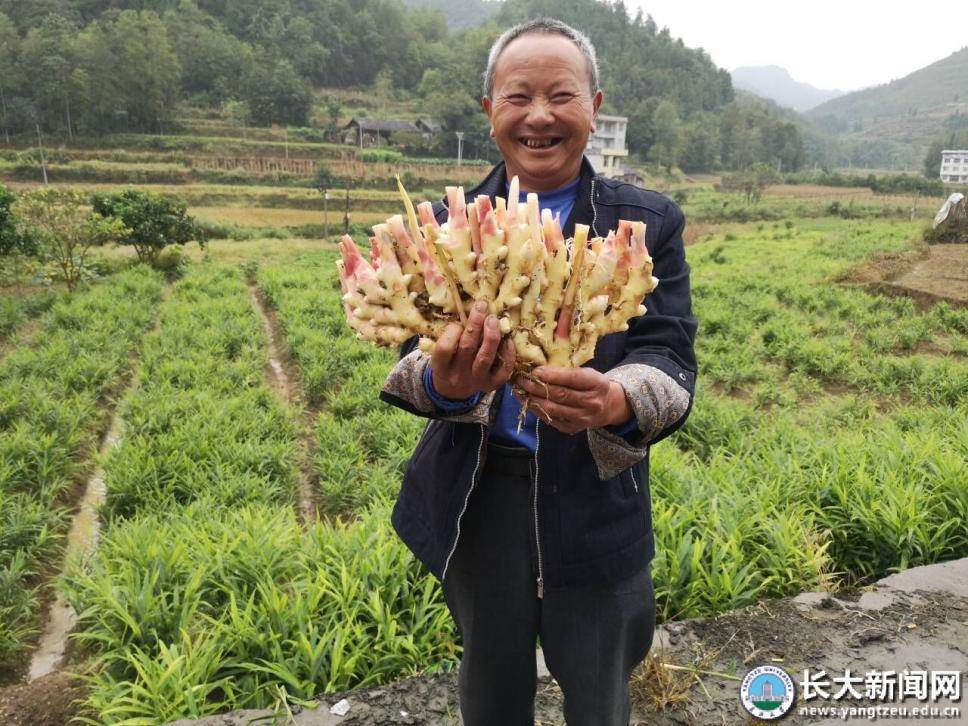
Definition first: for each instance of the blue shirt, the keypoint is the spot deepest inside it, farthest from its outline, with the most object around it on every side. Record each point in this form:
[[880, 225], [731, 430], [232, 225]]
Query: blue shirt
[[560, 202]]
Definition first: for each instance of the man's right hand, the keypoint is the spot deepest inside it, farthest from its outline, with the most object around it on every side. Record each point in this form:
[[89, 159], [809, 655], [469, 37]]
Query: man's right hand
[[471, 358]]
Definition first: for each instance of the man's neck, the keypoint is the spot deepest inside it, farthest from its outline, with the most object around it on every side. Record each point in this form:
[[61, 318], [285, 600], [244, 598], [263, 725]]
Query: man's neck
[[544, 185]]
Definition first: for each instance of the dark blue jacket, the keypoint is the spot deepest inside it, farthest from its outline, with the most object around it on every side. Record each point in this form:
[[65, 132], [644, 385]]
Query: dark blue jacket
[[589, 530]]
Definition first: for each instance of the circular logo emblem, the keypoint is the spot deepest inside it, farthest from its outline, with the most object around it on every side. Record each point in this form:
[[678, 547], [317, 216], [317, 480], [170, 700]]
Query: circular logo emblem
[[767, 692]]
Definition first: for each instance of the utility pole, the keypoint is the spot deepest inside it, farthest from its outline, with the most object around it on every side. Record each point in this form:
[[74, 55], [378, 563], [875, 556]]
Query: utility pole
[[346, 213], [460, 146], [285, 137], [325, 213], [43, 160]]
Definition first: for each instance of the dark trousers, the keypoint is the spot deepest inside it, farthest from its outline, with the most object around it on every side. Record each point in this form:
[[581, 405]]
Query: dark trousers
[[592, 636]]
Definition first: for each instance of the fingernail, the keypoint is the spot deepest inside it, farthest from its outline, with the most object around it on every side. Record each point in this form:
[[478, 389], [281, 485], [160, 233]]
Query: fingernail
[[481, 306], [491, 322]]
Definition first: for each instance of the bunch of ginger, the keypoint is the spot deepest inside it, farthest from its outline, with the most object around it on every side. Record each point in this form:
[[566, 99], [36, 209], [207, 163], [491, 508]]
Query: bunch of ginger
[[553, 297]]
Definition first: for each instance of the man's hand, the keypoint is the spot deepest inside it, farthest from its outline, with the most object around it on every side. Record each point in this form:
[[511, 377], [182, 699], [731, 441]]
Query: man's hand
[[471, 358], [576, 399]]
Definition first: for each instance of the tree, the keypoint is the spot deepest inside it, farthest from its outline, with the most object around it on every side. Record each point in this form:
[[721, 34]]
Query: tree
[[700, 146], [10, 239], [667, 135], [64, 231], [752, 181], [9, 51], [50, 52], [151, 222], [278, 95], [213, 62]]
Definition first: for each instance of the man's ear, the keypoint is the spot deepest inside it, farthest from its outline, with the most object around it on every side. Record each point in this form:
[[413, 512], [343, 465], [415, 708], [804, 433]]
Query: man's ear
[[486, 105], [596, 104]]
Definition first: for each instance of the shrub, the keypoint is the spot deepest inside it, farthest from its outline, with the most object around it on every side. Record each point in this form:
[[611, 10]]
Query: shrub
[[63, 232], [378, 155], [153, 222]]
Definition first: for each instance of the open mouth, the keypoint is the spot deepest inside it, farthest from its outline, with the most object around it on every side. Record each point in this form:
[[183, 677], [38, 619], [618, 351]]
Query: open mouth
[[532, 142]]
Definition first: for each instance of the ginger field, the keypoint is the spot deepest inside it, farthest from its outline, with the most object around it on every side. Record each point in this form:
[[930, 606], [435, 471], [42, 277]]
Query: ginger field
[[827, 445]]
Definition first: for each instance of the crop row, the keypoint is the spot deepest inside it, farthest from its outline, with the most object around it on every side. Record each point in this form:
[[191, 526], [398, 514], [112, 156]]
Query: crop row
[[17, 309], [773, 323], [363, 444], [54, 394], [205, 593]]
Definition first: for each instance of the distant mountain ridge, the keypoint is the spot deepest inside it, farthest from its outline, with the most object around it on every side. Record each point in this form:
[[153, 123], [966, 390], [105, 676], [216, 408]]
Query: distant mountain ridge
[[943, 85], [899, 121], [776, 84]]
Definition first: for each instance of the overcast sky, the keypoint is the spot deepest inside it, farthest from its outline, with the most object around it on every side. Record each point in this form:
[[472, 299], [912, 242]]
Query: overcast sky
[[842, 44]]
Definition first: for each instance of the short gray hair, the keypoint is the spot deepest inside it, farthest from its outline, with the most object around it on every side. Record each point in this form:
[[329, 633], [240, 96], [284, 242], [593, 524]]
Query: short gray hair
[[544, 26]]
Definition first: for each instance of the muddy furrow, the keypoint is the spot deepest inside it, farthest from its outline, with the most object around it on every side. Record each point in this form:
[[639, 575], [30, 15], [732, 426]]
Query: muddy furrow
[[81, 542], [282, 379]]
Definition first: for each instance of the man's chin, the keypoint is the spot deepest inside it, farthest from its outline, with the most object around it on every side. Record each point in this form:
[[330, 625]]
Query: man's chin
[[546, 166]]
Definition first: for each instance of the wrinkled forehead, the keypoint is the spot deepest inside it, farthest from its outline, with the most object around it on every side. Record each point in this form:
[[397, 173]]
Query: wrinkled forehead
[[548, 58]]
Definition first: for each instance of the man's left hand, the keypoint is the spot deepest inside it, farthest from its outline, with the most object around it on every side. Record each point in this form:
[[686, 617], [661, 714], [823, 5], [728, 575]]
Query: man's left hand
[[575, 399]]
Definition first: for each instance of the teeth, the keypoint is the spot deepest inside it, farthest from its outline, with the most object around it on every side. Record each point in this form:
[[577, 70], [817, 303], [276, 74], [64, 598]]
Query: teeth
[[535, 144]]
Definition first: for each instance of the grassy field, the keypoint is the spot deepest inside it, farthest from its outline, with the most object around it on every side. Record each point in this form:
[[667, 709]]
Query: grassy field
[[827, 446]]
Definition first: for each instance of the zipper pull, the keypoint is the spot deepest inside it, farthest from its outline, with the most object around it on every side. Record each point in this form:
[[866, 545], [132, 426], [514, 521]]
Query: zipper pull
[[540, 587]]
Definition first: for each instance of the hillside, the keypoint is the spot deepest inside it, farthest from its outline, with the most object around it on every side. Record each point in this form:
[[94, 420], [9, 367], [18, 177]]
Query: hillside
[[912, 109], [460, 14], [778, 85]]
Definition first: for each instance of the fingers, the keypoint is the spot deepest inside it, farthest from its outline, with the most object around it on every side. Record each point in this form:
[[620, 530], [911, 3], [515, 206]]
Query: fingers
[[504, 364], [576, 378], [484, 360], [566, 419], [470, 339], [446, 347]]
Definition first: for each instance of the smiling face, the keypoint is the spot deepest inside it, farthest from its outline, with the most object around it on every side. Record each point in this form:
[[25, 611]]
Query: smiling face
[[541, 110]]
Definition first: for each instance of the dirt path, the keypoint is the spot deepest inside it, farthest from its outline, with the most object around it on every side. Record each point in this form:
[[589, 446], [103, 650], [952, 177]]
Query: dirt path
[[917, 619], [81, 542], [282, 383]]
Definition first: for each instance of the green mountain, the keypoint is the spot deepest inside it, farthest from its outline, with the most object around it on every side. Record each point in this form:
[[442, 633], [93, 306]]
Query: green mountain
[[910, 110], [460, 14]]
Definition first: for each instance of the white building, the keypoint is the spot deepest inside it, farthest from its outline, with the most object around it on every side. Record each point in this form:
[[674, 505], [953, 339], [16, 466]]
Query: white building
[[606, 147], [954, 166]]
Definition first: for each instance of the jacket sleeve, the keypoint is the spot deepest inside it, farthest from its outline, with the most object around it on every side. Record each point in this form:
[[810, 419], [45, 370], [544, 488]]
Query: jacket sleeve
[[658, 371], [404, 388]]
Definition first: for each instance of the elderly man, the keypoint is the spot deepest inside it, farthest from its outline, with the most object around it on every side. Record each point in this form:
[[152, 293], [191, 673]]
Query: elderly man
[[544, 532]]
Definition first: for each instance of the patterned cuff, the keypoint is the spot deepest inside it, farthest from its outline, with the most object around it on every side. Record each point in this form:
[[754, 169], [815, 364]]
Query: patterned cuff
[[406, 381], [657, 401]]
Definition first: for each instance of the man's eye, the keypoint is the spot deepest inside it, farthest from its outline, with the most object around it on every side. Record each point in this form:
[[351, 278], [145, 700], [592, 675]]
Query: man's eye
[[562, 97], [518, 98]]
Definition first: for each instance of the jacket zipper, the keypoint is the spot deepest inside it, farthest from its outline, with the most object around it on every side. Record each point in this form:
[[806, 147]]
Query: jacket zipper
[[634, 483], [537, 538], [477, 468], [591, 198]]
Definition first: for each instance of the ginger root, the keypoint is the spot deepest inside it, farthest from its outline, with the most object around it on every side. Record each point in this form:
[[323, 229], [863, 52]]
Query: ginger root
[[554, 297]]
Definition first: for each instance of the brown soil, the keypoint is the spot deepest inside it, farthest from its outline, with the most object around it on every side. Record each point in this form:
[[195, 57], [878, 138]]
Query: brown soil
[[695, 232], [928, 275], [942, 276], [47, 701]]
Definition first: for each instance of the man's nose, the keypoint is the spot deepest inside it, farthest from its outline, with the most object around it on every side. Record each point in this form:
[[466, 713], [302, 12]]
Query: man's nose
[[539, 113]]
